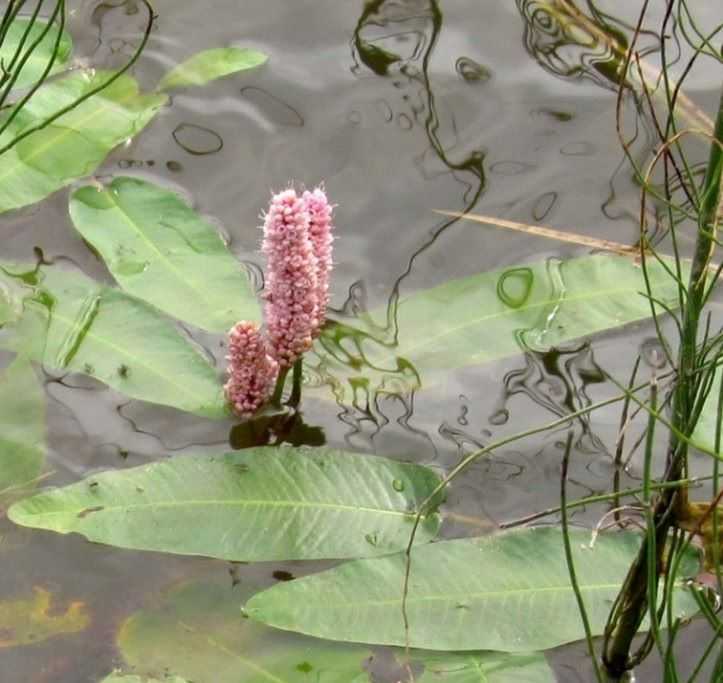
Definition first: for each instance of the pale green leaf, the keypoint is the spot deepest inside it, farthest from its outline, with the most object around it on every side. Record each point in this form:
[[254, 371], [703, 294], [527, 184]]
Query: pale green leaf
[[76, 143], [160, 250], [38, 59], [118, 677], [268, 503], [212, 64], [484, 667], [509, 592], [22, 428], [75, 324], [196, 631], [485, 317]]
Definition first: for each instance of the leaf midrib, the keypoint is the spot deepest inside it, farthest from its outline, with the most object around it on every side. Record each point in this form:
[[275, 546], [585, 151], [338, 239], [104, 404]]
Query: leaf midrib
[[452, 597], [229, 503], [406, 351], [244, 660], [190, 284]]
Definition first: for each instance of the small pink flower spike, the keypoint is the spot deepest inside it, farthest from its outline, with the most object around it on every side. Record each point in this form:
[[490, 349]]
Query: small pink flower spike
[[320, 232], [252, 371], [291, 280]]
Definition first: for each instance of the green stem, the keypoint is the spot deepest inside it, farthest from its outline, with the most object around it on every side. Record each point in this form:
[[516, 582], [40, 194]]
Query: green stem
[[297, 379], [571, 563], [279, 388], [632, 603]]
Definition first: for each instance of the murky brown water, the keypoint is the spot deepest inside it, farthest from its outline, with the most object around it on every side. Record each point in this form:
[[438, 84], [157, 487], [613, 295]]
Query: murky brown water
[[466, 119]]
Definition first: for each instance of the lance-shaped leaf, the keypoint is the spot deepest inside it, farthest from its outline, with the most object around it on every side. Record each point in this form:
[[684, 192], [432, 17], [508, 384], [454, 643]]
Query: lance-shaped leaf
[[74, 144], [510, 592], [195, 632], [268, 503], [160, 250], [484, 317], [484, 667], [211, 64], [22, 428], [73, 323], [17, 44]]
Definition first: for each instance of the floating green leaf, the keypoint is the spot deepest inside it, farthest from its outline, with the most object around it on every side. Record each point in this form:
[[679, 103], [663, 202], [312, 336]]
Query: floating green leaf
[[160, 250], [196, 632], [39, 58], [268, 503], [73, 323], [485, 317], [76, 143], [22, 428], [510, 592], [211, 64], [484, 667]]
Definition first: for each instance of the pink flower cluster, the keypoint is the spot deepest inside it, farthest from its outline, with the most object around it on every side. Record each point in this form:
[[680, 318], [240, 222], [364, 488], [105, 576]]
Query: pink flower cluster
[[252, 370], [298, 245]]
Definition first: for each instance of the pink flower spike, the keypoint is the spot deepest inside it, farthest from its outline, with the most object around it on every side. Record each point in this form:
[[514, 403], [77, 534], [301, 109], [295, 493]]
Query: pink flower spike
[[291, 309], [320, 232], [252, 371]]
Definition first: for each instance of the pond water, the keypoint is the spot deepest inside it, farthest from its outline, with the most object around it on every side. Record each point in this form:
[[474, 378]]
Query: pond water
[[400, 108]]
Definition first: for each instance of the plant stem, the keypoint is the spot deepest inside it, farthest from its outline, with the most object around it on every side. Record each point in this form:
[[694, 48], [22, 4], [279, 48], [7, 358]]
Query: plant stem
[[279, 388], [297, 378], [672, 505], [571, 563]]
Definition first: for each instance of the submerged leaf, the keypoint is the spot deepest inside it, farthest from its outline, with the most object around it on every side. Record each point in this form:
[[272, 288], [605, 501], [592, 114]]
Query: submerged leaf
[[484, 667], [39, 58], [705, 429], [76, 143], [510, 592], [485, 317], [23, 622], [73, 323], [197, 632], [269, 503], [212, 64], [160, 250], [22, 428]]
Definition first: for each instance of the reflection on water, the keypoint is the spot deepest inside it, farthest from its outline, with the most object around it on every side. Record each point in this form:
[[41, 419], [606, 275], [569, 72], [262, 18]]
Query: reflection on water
[[572, 44], [395, 40]]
